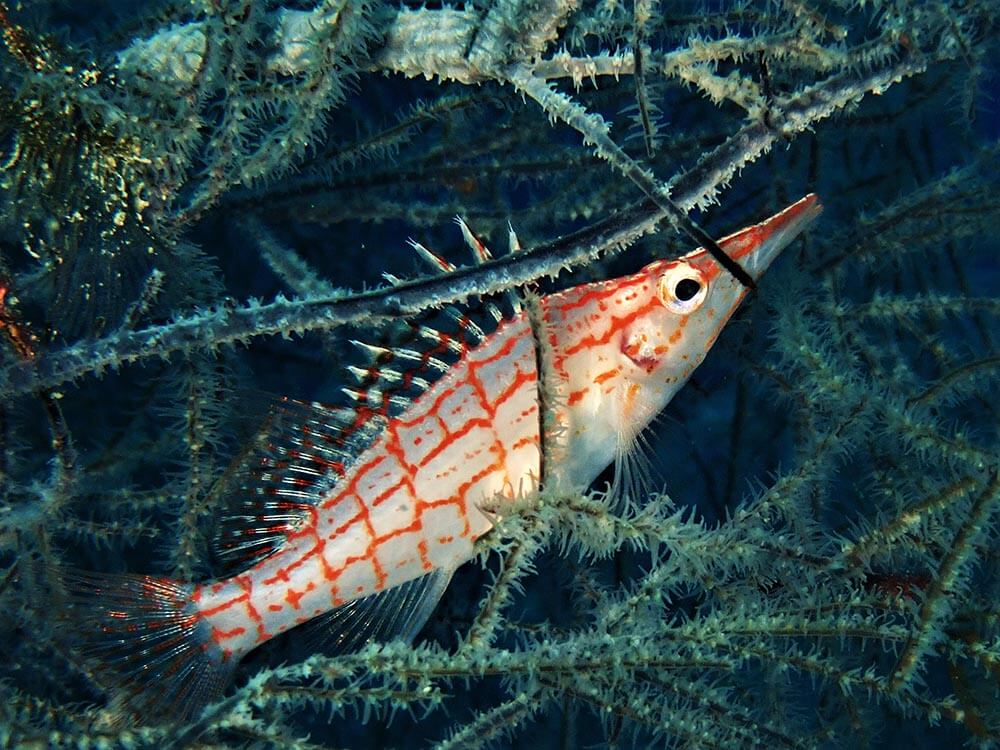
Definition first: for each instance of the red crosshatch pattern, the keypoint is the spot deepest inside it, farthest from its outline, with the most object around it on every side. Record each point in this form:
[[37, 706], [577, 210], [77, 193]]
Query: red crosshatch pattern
[[409, 504]]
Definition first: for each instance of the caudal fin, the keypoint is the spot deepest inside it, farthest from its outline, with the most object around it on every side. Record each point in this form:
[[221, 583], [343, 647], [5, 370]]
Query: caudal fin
[[144, 641]]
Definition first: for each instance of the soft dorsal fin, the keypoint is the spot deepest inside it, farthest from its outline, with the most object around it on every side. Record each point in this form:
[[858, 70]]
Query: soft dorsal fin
[[296, 458]]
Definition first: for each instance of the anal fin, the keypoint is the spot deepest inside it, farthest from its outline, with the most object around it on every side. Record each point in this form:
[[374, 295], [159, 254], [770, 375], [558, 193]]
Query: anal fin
[[396, 613]]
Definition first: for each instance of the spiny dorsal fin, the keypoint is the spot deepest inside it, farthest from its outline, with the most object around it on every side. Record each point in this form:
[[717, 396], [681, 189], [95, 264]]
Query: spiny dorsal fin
[[402, 366]]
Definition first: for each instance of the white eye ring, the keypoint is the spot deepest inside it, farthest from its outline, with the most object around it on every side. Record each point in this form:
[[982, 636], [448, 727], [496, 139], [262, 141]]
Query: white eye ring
[[682, 288]]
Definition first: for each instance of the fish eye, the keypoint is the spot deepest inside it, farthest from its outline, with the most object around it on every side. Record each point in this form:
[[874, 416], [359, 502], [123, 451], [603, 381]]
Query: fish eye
[[686, 289], [682, 288]]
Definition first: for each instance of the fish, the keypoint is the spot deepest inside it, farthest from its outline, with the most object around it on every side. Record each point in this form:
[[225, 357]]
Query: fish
[[357, 521]]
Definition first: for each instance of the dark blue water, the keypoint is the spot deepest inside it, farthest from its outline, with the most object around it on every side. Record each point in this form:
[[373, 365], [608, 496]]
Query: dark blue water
[[833, 462]]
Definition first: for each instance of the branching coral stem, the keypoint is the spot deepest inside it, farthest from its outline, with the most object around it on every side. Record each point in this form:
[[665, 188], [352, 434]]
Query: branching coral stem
[[698, 186], [954, 567], [594, 130]]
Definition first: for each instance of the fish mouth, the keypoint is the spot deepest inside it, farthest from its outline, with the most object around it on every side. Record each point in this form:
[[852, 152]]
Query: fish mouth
[[756, 247]]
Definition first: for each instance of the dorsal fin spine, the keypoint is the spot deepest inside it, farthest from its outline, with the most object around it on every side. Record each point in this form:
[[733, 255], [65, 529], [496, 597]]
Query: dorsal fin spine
[[465, 324], [450, 343], [435, 261], [355, 394], [359, 373], [371, 350], [424, 359], [400, 402], [480, 253], [494, 312], [513, 243]]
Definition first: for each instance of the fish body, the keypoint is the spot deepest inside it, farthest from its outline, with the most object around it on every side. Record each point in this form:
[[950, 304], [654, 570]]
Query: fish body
[[410, 505], [550, 398]]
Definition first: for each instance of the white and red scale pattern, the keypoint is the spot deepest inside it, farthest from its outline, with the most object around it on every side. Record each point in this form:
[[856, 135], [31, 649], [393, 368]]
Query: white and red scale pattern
[[413, 501], [409, 504]]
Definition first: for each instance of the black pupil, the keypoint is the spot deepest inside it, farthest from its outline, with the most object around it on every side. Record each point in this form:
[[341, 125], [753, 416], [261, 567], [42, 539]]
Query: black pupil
[[686, 289]]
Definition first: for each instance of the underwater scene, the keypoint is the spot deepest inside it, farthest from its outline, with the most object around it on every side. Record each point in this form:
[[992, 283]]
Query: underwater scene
[[500, 374]]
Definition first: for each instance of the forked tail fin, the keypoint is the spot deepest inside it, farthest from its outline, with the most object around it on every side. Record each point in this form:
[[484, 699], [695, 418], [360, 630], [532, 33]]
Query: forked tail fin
[[145, 642]]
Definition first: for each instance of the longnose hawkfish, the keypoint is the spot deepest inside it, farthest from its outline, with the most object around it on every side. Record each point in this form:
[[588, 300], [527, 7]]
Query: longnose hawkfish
[[366, 531]]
